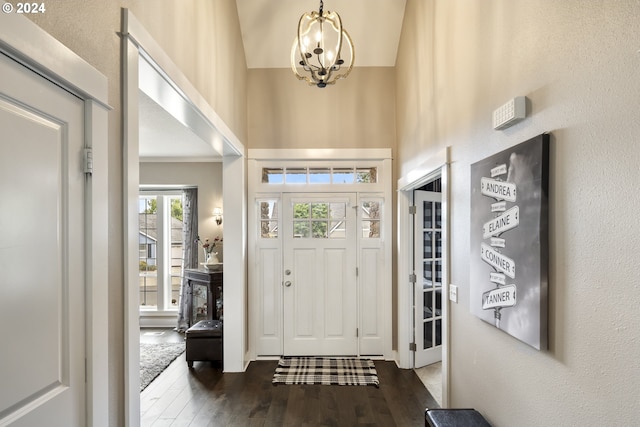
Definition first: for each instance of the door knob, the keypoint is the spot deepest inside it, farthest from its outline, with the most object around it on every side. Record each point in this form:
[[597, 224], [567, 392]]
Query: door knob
[[287, 283]]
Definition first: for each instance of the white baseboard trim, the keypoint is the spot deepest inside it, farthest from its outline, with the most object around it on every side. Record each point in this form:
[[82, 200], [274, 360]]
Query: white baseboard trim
[[159, 320]]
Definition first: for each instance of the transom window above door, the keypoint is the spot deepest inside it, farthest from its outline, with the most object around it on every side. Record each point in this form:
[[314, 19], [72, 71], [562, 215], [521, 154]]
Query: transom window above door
[[320, 175]]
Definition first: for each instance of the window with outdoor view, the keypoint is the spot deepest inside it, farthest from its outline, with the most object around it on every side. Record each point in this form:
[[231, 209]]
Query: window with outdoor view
[[160, 250], [319, 220], [320, 175]]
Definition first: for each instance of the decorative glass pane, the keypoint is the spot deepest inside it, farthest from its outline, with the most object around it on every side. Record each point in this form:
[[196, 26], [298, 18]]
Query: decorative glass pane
[[438, 209], [428, 334], [427, 273], [337, 210], [371, 229], [337, 230], [319, 210], [269, 210], [438, 301], [438, 332], [272, 176], [438, 273], [371, 210], [428, 244], [296, 176], [438, 244], [269, 229], [428, 222], [319, 229], [366, 175], [319, 176], [301, 210], [301, 230], [343, 176], [428, 305]]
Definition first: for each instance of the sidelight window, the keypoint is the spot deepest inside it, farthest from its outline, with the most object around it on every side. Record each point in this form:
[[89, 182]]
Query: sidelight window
[[268, 219]]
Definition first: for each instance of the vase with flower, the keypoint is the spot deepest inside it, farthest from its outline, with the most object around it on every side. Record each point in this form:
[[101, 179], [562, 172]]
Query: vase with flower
[[210, 255]]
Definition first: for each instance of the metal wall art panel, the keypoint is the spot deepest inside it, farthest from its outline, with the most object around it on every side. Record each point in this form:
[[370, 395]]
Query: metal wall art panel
[[509, 240]]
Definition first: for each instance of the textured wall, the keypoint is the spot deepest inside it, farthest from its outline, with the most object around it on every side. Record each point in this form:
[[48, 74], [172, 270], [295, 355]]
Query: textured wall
[[357, 112], [578, 63], [203, 39]]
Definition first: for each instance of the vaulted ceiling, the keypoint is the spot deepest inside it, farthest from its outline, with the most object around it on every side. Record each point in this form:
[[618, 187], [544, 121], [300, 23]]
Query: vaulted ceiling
[[269, 28], [268, 31]]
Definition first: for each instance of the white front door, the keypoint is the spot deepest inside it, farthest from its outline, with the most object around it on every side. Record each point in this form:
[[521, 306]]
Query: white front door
[[428, 271], [319, 274], [42, 275]]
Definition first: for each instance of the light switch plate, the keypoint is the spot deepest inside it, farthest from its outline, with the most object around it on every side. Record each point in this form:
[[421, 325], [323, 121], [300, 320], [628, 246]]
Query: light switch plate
[[453, 293]]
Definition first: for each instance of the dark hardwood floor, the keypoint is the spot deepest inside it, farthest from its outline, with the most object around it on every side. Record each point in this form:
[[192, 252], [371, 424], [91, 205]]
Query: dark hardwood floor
[[204, 396]]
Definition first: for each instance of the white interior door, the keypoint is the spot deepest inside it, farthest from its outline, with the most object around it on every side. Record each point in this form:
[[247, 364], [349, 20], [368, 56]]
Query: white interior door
[[428, 271], [42, 362], [319, 266]]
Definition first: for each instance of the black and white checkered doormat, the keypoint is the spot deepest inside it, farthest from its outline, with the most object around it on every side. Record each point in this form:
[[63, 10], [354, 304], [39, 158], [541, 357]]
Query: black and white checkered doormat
[[327, 371]]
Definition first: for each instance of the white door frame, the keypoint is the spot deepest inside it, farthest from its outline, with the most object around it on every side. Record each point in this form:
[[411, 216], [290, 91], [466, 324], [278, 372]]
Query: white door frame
[[432, 168], [259, 158], [137, 43], [37, 50]]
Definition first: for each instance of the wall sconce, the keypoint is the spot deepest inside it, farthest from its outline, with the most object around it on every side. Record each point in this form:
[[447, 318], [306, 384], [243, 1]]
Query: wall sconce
[[217, 214]]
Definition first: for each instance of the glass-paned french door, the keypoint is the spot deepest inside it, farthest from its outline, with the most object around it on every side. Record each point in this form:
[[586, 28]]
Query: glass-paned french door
[[428, 270]]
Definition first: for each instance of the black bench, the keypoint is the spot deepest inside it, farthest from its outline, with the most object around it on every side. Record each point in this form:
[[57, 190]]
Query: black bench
[[204, 342], [454, 418]]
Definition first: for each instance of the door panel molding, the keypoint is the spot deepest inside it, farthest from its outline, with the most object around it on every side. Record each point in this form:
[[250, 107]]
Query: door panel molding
[[28, 44], [320, 301]]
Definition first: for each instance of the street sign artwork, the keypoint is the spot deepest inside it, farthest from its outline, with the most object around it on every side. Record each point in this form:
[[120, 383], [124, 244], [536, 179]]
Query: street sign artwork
[[509, 240]]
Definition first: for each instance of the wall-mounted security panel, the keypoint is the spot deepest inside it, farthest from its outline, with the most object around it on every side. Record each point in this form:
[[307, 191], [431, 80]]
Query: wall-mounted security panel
[[510, 113]]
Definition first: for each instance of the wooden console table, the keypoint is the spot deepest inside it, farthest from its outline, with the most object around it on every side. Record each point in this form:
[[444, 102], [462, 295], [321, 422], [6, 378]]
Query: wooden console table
[[204, 295]]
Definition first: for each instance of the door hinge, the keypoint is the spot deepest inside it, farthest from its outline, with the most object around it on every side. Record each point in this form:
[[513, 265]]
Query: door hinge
[[357, 272], [413, 346], [88, 160], [412, 278], [412, 210], [357, 332]]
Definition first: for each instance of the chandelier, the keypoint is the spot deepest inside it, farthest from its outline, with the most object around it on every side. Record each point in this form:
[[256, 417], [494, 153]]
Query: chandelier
[[318, 48]]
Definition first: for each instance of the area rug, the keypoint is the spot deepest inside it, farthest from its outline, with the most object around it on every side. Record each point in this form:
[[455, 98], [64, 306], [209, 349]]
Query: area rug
[[326, 371], [154, 358]]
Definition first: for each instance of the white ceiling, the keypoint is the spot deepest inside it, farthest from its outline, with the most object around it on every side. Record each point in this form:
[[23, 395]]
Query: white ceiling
[[270, 26], [268, 30], [163, 138]]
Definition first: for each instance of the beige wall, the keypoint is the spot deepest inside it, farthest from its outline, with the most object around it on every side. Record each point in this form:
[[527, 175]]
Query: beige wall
[[205, 43], [357, 112], [578, 63], [206, 176]]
